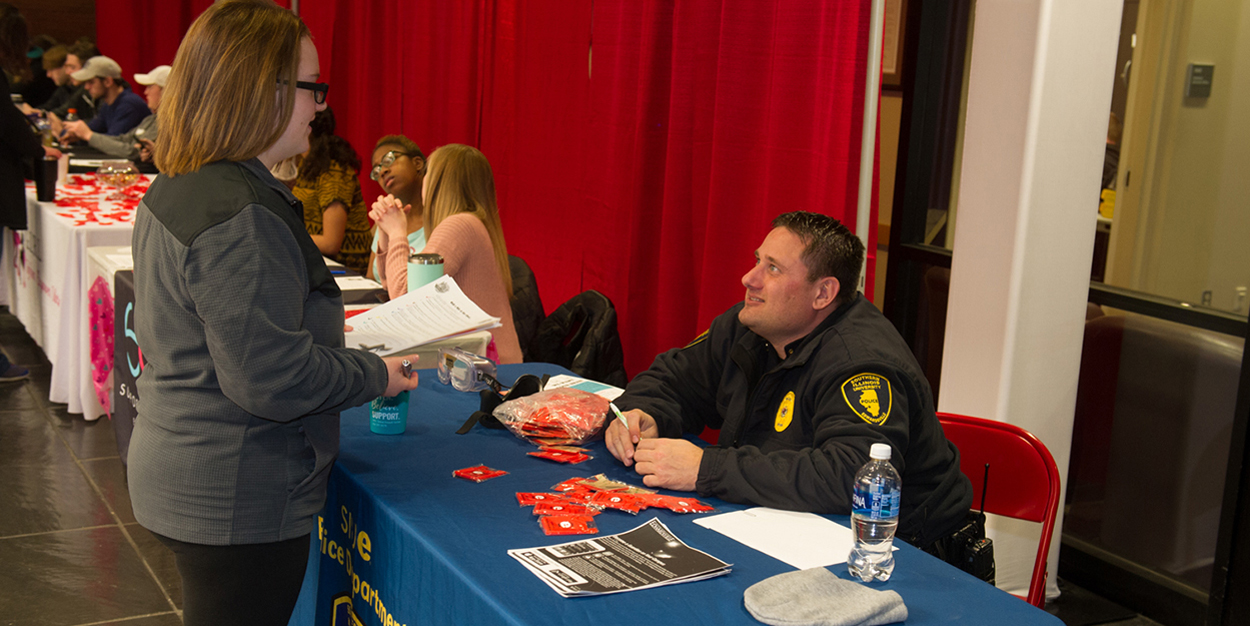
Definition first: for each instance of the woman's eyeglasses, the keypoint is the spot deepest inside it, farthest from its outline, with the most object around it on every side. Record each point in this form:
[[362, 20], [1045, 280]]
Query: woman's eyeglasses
[[387, 160], [319, 90]]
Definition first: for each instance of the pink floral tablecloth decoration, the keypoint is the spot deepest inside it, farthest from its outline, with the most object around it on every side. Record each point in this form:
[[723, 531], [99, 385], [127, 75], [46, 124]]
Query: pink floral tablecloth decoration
[[100, 317]]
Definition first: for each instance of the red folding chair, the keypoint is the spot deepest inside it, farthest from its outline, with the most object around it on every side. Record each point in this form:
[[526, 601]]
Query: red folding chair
[[1023, 479]]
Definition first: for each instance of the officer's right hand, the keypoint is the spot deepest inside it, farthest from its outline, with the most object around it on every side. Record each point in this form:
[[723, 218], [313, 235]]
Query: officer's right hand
[[621, 442]]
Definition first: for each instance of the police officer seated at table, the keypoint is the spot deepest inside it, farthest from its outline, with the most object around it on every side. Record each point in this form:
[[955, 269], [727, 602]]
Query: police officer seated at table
[[801, 378]]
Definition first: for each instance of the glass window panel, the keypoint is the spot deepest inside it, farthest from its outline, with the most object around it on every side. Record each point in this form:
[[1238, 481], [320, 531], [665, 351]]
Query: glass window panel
[[1154, 417], [1178, 222]]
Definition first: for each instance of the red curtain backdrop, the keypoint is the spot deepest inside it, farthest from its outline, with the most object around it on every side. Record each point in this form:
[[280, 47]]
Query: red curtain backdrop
[[708, 122], [640, 147]]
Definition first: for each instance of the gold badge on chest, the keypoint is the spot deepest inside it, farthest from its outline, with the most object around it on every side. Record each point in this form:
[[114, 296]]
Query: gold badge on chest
[[785, 413]]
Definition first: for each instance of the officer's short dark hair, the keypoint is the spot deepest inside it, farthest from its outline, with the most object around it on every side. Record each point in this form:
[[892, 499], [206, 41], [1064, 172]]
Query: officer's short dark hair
[[830, 249]]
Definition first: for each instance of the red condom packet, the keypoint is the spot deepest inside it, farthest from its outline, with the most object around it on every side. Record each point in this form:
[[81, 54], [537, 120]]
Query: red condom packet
[[677, 504], [568, 485], [478, 473], [568, 525], [564, 508], [581, 494], [530, 498], [600, 482], [620, 501], [560, 456]]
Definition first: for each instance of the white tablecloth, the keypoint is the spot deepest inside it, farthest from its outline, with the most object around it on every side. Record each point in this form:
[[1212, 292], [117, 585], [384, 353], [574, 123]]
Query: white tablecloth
[[45, 273]]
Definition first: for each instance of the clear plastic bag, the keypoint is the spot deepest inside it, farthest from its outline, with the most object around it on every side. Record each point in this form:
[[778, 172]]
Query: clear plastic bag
[[554, 417]]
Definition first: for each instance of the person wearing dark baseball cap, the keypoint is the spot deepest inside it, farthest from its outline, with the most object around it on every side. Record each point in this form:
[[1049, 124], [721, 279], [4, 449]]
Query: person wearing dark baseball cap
[[131, 144], [120, 108]]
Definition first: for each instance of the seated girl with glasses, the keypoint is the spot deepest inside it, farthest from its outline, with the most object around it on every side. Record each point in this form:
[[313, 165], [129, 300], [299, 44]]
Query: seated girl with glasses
[[461, 224], [334, 207], [399, 167]]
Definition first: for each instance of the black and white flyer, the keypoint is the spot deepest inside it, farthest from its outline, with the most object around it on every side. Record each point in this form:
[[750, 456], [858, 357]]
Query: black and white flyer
[[647, 556]]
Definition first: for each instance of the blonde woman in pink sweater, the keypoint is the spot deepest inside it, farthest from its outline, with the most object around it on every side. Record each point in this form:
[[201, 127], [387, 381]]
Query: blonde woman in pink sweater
[[461, 224]]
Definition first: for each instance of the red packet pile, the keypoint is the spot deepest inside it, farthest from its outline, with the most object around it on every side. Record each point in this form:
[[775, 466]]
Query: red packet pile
[[81, 200], [560, 515], [554, 417], [478, 473], [602, 492], [571, 510]]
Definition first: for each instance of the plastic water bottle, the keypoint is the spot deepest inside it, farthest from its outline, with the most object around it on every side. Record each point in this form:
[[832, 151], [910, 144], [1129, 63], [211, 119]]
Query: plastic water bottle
[[874, 517], [45, 132]]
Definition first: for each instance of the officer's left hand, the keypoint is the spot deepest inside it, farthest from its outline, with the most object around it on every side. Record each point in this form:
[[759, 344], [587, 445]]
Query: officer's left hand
[[668, 463]]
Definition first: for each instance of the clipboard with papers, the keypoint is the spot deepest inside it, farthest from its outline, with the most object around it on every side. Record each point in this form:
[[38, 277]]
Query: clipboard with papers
[[437, 311]]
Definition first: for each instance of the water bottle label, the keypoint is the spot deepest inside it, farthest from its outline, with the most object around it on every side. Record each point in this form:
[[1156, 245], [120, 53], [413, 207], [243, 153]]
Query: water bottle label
[[389, 416], [385, 409], [874, 502]]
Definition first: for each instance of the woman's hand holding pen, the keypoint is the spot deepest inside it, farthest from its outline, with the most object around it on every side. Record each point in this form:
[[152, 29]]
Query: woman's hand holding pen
[[400, 376]]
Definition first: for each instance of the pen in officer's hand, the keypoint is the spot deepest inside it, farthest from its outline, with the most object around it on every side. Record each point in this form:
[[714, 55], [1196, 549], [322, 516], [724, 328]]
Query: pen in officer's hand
[[620, 416]]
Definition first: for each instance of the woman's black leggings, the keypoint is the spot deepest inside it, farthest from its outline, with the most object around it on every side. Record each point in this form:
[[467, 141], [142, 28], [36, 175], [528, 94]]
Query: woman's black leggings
[[254, 584]]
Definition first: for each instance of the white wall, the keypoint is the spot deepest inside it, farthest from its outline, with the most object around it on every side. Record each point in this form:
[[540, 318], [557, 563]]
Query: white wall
[[1197, 223], [1038, 95]]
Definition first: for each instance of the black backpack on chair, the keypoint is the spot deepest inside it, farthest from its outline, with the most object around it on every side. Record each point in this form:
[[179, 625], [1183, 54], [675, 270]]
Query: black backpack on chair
[[527, 306], [581, 335]]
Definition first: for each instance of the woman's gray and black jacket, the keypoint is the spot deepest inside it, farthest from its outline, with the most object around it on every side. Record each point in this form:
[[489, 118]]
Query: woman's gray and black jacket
[[241, 325]]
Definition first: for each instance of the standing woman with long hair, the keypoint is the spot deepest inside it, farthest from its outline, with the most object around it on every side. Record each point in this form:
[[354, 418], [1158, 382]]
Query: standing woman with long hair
[[240, 322], [17, 143], [461, 224]]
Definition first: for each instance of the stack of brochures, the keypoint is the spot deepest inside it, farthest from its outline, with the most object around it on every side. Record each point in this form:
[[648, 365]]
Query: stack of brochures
[[436, 311], [647, 556]]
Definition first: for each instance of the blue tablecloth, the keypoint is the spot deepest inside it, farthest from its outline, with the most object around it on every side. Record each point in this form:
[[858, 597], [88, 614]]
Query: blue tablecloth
[[404, 542]]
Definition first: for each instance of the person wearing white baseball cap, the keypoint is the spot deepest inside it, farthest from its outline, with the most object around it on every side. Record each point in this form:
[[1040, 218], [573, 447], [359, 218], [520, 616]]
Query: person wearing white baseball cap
[[135, 144], [120, 108]]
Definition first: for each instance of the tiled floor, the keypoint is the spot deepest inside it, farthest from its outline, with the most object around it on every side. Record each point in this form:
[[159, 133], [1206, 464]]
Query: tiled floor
[[72, 552]]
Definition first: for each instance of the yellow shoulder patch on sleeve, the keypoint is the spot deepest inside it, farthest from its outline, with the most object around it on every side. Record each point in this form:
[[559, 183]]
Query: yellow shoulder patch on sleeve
[[696, 340], [869, 396]]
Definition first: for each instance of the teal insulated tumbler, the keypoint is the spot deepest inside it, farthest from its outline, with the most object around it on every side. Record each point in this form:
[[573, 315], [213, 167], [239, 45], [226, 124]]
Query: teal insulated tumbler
[[423, 269]]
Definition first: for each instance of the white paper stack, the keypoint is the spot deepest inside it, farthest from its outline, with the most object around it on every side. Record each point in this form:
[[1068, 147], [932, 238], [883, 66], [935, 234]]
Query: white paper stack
[[437, 311], [647, 556]]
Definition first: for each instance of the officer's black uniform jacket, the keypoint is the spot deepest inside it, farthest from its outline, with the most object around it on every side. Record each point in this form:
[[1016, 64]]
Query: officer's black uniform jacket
[[793, 432]]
